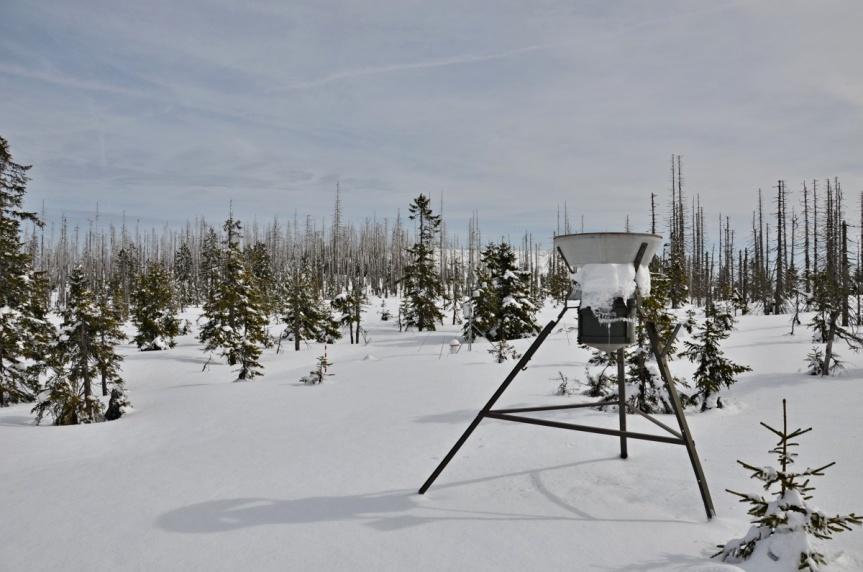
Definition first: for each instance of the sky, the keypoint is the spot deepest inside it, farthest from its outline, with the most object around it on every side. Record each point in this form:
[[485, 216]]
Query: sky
[[169, 109]]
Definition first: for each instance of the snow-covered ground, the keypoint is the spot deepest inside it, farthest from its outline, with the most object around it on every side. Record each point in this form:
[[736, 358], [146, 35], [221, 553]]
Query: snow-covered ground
[[206, 474]]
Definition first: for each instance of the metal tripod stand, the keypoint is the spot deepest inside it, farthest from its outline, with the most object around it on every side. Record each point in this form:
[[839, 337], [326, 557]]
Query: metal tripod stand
[[681, 436]]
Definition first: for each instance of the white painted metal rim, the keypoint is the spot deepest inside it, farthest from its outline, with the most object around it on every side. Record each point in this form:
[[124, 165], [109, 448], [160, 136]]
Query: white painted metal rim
[[606, 247]]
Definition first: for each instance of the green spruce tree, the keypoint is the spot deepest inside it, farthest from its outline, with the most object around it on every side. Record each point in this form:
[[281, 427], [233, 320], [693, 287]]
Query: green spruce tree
[[303, 312], [714, 370], [123, 281], [210, 264], [109, 334], [83, 348], [39, 332], [501, 308], [262, 268], [558, 280], [422, 287], [236, 323], [153, 309], [184, 273], [675, 269], [18, 317], [349, 304]]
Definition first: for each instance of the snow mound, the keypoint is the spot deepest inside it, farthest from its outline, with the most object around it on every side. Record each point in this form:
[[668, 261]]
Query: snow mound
[[601, 284]]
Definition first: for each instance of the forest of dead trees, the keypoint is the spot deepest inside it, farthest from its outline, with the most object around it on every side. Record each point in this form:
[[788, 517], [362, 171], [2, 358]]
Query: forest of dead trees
[[800, 254], [796, 237]]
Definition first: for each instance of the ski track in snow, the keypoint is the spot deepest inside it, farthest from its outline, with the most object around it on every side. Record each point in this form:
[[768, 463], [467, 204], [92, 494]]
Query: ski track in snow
[[206, 474]]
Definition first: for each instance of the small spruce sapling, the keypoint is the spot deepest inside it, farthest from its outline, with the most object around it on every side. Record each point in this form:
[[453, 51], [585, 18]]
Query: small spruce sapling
[[385, 312], [563, 387], [816, 364], [602, 383], [714, 370], [318, 374], [118, 404], [784, 528], [503, 350]]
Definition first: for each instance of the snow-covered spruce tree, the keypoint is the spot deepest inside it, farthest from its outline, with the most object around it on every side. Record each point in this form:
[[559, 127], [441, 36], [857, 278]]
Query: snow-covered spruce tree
[[262, 269], [558, 281], [109, 334], [784, 529], [126, 269], [476, 305], [829, 297], [68, 394], [349, 305], [304, 314], [39, 332], [210, 265], [453, 295], [17, 316], [14, 385], [153, 309], [118, 404], [714, 370], [236, 325], [740, 301], [421, 284], [676, 271], [184, 274], [26, 337], [501, 308]]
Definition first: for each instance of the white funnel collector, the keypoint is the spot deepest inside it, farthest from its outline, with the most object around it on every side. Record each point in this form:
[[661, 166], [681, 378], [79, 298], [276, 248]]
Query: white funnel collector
[[606, 248], [608, 263]]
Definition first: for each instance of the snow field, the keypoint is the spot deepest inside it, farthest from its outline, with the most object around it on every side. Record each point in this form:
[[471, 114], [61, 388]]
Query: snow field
[[272, 474]]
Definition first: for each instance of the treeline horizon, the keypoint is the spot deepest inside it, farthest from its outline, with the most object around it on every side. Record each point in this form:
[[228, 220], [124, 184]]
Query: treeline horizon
[[784, 236]]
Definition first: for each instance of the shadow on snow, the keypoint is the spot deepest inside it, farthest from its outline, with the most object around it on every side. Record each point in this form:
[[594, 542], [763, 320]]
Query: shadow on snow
[[384, 511]]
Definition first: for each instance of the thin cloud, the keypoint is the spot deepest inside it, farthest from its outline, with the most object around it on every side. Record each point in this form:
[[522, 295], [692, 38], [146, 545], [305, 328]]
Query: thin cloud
[[390, 68], [466, 59], [68, 81]]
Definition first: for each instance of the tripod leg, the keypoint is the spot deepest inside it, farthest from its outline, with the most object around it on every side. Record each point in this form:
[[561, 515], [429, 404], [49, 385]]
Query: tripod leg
[[677, 406], [451, 454], [522, 363], [621, 400]]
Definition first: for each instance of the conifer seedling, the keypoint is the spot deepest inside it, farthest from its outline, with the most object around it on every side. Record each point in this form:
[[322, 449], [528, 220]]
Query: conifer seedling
[[785, 527]]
